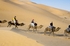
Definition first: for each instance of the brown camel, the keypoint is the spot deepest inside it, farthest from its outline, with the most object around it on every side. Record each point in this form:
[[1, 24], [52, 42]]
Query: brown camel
[[3, 21], [35, 27], [51, 31]]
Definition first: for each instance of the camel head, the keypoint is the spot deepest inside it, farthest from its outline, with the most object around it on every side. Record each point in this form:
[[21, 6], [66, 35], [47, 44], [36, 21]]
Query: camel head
[[40, 26], [22, 24], [57, 29]]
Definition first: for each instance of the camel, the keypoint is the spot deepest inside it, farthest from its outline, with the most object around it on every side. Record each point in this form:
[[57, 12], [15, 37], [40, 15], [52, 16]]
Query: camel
[[3, 21], [54, 30], [17, 24], [35, 27]]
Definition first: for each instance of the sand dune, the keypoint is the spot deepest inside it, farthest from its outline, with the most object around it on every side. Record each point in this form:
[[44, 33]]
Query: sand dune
[[58, 12], [26, 11], [9, 38]]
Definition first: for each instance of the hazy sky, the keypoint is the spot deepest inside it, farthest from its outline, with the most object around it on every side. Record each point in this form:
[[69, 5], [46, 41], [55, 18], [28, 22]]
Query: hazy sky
[[61, 4]]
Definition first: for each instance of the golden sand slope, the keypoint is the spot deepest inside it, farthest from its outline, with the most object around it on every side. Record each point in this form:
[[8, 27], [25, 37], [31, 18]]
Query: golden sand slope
[[9, 38], [23, 10], [59, 12]]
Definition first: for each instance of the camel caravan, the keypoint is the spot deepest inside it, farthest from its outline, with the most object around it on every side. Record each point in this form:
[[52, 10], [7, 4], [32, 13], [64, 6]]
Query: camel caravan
[[33, 25]]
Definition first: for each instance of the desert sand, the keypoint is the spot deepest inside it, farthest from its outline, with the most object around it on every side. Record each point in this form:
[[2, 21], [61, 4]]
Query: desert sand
[[25, 12], [9, 38]]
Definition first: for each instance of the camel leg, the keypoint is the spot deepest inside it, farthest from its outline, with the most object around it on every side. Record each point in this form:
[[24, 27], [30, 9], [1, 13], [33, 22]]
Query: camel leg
[[33, 30], [50, 33], [9, 25], [16, 26], [45, 32], [53, 33], [65, 34], [29, 28], [36, 30]]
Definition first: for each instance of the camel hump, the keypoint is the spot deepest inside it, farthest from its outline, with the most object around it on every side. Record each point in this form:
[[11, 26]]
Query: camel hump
[[5, 20]]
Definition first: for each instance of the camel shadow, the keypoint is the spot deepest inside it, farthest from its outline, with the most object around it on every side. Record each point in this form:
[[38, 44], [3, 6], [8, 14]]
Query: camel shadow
[[21, 31], [47, 33], [17, 30], [59, 35], [43, 32]]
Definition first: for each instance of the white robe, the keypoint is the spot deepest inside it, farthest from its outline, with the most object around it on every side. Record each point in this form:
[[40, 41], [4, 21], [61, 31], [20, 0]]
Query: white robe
[[32, 24], [51, 27], [68, 29]]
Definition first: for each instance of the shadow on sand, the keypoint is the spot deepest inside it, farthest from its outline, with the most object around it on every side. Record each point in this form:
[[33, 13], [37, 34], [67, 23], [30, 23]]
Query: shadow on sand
[[47, 33], [22, 32]]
